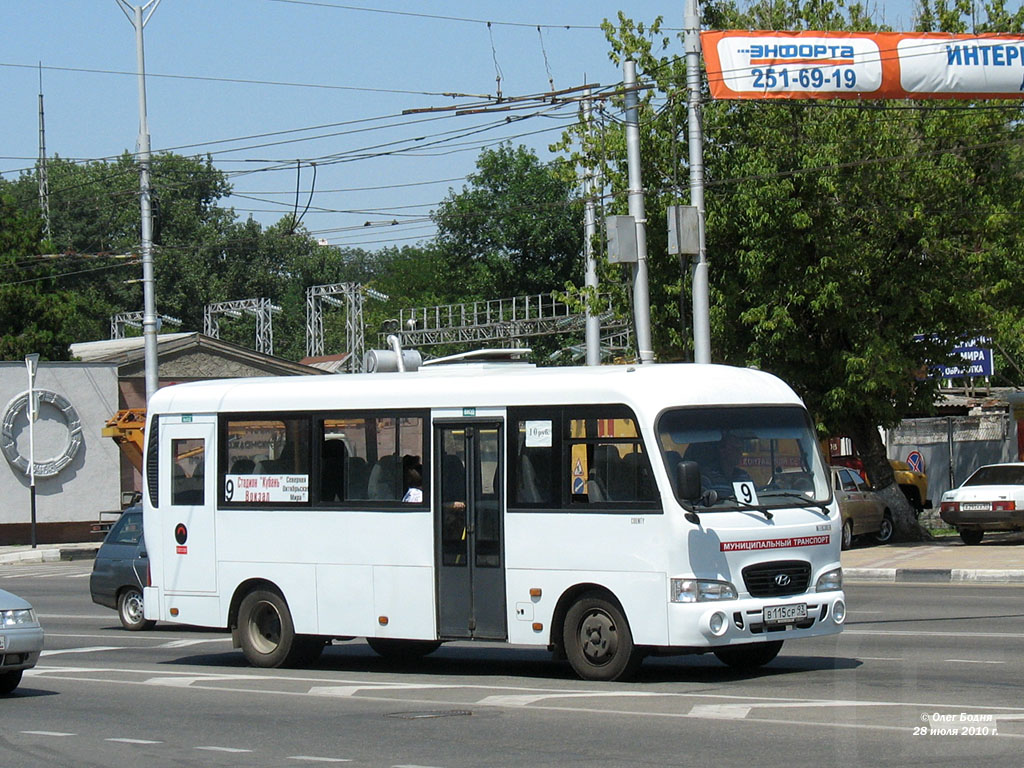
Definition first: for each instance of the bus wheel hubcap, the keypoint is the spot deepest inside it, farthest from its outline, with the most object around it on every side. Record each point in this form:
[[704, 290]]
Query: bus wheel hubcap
[[598, 638], [265, 628]]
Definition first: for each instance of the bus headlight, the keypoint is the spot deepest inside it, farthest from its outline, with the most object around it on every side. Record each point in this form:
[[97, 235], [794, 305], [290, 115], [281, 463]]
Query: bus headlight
[[830, 581], [701, 590]]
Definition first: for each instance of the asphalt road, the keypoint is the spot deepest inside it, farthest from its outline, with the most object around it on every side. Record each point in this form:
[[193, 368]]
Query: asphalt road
[[922, 675]]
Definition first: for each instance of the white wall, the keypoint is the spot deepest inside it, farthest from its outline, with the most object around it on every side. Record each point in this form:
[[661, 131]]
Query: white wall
[[90, 483]]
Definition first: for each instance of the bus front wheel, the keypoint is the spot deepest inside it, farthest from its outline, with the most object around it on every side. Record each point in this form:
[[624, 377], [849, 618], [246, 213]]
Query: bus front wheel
[[266, 632], [598, 641], [748, 656]]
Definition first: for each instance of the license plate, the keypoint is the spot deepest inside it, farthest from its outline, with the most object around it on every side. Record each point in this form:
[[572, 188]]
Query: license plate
[[785, 614], [975, 506], [3, 642]]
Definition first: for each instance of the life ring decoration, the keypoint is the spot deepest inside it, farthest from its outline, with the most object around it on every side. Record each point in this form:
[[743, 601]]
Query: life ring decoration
[[9, 445]]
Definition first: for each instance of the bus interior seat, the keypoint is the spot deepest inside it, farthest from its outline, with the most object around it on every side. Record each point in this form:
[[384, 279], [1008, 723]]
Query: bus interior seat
[[357, 476], [527, 491], [595, 488], [611, 471], [332, 471], [243, 467], [638, 476], [383, 480]]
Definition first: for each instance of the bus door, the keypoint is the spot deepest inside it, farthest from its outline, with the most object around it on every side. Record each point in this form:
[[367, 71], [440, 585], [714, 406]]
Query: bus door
[[468, 527], [188, 475]]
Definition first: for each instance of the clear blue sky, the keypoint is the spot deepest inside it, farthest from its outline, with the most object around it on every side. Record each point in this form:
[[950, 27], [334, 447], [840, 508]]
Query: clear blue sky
[[294, 65]]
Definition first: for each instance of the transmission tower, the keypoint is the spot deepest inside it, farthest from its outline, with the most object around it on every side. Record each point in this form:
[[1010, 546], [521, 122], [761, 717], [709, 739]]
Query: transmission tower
[[262, 309], [124, 320], [352, 295], [506, 321]]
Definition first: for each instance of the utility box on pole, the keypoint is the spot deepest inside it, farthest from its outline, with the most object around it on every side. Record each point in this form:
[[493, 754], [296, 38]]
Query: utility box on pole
[[621, 234], [683, 234]]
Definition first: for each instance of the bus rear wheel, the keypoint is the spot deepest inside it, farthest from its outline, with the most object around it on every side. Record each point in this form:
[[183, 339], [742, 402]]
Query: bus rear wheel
[[748, 656], [266, 632], [598, 641]]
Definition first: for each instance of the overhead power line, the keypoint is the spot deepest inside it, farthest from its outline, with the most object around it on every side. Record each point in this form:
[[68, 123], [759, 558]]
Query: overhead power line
[[246, 81]]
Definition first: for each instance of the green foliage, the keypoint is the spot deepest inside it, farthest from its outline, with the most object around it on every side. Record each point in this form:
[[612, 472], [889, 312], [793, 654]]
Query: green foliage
[[514, 230], [35, 316], [836, 232]]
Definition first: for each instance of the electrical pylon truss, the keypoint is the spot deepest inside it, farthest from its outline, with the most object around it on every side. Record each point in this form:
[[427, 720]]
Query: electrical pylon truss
[[262, 309]]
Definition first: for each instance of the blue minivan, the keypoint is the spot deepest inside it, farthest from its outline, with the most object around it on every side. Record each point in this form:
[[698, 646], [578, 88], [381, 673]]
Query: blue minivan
[[122, 569]]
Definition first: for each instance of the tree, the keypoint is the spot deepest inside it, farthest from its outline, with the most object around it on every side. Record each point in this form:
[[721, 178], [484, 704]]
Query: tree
[[516, 229], [850, 244], [35, 315], [94, 217]]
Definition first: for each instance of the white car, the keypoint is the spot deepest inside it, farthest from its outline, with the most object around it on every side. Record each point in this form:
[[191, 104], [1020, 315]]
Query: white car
[[992, 499], [21, 640]]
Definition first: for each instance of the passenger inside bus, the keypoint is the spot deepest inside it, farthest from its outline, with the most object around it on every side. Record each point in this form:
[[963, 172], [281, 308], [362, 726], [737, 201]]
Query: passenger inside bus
[[414, 485], [453, 510]]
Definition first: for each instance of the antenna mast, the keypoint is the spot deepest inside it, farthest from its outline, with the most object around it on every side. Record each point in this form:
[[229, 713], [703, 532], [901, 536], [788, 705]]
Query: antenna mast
[[44, 184]]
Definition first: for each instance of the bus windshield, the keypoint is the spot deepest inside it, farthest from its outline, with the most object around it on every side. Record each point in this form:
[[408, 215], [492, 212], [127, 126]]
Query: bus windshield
[[761, 456]]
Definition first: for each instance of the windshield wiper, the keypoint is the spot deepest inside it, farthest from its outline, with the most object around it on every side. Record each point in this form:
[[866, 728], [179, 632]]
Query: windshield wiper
[[799, 497]]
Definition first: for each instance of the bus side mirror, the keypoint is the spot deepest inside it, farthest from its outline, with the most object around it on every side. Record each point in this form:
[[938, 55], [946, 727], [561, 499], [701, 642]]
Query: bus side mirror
[[688, 481]]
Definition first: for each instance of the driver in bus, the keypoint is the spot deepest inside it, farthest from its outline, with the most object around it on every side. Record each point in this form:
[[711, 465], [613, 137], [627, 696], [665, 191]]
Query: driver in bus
[[723, 465]]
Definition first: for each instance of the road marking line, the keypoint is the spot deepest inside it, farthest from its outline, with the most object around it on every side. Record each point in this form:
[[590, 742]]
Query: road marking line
[[311, 759], [740, 711], [185, 682], [522, 700], [729, 711], [134, 741], [974, 661], [48, 733], [83, 650], [187, 643], [880, 658], [915, 633], [351, 690], [223, 749]]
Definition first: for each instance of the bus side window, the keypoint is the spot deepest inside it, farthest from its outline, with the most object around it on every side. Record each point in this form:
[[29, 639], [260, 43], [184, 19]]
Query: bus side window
[[187, 486]]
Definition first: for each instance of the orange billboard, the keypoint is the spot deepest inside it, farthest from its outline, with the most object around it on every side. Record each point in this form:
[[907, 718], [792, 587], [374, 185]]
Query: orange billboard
[[856, 65]]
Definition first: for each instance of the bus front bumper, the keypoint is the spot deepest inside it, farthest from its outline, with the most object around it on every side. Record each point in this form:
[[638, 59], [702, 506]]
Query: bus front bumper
[[751, 620]]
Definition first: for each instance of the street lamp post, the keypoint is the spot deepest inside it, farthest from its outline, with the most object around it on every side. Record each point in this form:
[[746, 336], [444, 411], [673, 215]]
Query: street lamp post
[[139, 15], [32, 363]]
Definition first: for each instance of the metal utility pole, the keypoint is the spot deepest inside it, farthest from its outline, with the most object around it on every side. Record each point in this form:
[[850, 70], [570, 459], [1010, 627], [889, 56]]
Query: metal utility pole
[[44, 184], [701, 302], [137, 15], [641, 297], [592, 329]]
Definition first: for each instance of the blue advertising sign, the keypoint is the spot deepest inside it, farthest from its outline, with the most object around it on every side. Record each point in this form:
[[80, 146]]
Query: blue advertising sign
[[977, 361], [976, 357]]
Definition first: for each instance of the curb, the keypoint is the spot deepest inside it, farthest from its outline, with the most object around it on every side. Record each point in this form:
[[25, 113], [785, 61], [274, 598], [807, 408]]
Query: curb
[[934, 575], [49, 555]]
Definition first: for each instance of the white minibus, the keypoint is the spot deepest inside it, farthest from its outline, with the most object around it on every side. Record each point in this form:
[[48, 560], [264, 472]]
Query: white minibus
[[606, 513]]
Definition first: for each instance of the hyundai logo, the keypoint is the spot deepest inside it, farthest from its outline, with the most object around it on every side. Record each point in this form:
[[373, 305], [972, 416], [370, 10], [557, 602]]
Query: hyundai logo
[[782, 579]]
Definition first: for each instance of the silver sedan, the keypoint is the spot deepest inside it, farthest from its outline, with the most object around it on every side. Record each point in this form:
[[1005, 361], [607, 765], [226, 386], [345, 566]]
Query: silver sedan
[[21, 640]]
